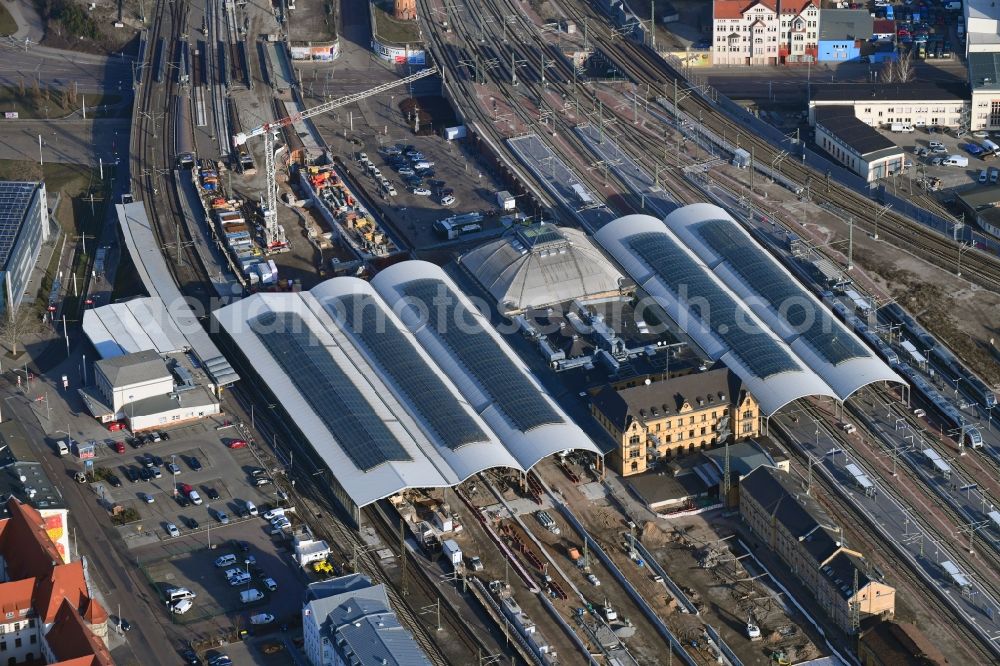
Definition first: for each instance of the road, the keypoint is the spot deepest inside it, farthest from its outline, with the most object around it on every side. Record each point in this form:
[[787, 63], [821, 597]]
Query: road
[[74, 141], [92, 535], [91, 73]]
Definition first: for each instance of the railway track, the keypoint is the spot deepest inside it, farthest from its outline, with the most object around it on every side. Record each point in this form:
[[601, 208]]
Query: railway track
[[904, 576], [925, 508], [645, 67]]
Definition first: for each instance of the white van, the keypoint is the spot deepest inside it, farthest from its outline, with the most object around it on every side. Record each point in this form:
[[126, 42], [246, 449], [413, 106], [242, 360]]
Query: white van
[[956, 161], [901, 127], [251, 508], [182, 606], [226, 561], [178, 593], [251, 595], [61, 447], [989, 146]]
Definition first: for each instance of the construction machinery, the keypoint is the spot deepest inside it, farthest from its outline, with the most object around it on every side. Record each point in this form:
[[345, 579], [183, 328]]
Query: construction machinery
[[274, 235]]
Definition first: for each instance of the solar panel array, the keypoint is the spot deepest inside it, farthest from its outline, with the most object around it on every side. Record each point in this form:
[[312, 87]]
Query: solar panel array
[[821, 331], [360, 432], [398, 359], [14, 201], [475, 349], [727, 318]]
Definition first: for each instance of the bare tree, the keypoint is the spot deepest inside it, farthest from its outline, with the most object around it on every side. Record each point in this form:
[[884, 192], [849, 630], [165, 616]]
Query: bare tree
[[14, 326], [904, 68], [888, 73]]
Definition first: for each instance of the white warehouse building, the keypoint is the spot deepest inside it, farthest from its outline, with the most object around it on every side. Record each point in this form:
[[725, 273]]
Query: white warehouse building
[[856, 145], [916, 104]]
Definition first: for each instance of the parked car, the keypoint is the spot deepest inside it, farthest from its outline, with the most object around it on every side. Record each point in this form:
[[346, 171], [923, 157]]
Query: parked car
[[130, 474], [145, 474], [172, 530], [157, 473], [115, 426], [173, 469], [221, 517], [194, 497], [935, 144], [119, 447], [182, 606], [190, 657], [972, 148], [146, 497], [994, 175], [983, 175], [211, 493], [114, 481], [981, 134], [421, 191], [261, 618], [191, 523], [237, 444], [406, 171], [182, 500], [270, 584], [447, 200], [263, 481], [194, 464]]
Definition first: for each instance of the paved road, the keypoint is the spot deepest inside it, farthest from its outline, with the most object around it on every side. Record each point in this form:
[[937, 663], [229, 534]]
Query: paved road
[[116, 578], [75, 141], [63, 68]]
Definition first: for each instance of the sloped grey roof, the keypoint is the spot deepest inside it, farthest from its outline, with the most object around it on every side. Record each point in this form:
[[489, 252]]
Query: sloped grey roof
[[541, 265], [359, 621], [134, 368]]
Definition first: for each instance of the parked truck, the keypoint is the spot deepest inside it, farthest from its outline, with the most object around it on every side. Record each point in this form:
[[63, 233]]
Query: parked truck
[[452, 552]]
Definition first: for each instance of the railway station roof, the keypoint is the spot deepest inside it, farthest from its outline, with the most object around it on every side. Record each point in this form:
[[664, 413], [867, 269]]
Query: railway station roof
[[373, 401], [808, 327], [137, 232], [464, 344], [709, 312], [542, 265]]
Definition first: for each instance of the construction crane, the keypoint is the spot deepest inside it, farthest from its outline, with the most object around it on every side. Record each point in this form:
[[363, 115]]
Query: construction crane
[[274, 235]]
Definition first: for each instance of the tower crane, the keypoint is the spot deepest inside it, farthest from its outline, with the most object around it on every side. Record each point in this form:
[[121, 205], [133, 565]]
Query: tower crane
[[274, 235]]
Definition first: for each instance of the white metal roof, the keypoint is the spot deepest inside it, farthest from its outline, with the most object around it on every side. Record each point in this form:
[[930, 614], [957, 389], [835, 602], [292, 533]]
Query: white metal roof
[[826, 346], [529, 445], [684, 307], [542, 265], [140, 324], [147, 257], [435, 459]]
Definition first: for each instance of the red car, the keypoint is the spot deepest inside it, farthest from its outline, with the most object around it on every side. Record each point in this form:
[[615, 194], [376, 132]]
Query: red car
[[184, 488], [119, 447], [237, 444], [115, 426]]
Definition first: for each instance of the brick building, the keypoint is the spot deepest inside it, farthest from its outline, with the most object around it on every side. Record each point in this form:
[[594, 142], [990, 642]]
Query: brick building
[[799, 532]]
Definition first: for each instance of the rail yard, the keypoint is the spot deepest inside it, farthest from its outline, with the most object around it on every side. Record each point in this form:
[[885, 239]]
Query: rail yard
[[487, 331]]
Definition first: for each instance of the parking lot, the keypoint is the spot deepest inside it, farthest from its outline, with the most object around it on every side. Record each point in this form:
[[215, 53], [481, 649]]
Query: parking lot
[[223, 479], [926, 149], [190, 562]]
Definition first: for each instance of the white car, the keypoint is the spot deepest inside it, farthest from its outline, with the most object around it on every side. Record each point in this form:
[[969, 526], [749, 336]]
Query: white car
[[172, 530], [242, 578], [273, 513], [447, 200], [235, 571], [984, 175], [182, 606], [981, 134], [594, 580], [421, 191], [935, 144], [270, 584], [261, 618]]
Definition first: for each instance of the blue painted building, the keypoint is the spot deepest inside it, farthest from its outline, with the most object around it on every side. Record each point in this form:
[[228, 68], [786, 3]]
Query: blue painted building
[[842, 34]]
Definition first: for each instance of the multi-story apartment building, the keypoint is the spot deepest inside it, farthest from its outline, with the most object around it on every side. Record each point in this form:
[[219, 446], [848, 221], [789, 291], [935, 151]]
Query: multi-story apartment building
[[654, 419], [764, 32], [47, 612], [798, 531]]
